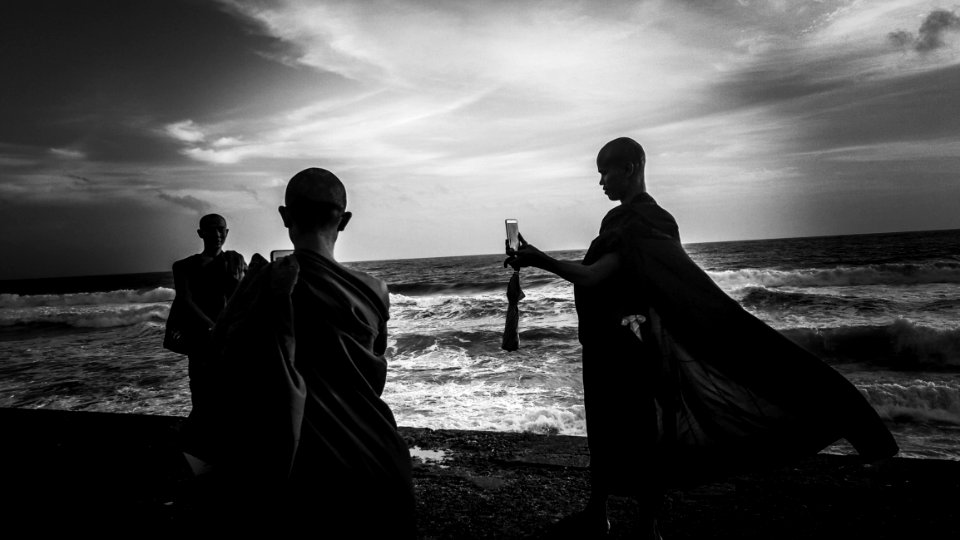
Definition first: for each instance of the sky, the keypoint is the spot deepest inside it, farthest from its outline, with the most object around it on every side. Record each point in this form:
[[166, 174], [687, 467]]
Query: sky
[[121, 123]]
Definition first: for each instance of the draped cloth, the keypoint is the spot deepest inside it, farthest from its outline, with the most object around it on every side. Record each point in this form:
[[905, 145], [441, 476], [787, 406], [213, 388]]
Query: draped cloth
[[716, 390], [511, 333], [300, 423]]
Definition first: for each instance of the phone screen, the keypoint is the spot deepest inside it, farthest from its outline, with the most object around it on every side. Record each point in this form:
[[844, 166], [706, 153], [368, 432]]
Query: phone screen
[[513, 233]]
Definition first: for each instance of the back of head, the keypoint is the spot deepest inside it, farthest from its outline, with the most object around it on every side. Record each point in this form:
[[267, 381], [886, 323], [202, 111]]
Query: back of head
[[622, 151], [315, 199]]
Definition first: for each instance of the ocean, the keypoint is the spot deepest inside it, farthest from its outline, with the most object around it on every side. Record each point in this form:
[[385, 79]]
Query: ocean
[[883, 309]]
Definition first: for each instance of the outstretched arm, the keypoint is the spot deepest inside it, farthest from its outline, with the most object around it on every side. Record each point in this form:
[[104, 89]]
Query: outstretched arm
[[579, 274]]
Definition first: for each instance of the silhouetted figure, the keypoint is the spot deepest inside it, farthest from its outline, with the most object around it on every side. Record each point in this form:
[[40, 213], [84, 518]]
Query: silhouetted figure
[[681, 385], [203, 282], [304, 440]]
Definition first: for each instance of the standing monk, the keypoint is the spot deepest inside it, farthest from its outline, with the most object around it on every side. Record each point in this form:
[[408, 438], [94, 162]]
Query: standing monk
[[304, 439], [680, 383], [203, 282]]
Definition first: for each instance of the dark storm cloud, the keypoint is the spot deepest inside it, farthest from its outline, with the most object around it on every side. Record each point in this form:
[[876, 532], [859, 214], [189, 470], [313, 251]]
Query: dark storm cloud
[[103, 77], [187, 201], [930, 35]]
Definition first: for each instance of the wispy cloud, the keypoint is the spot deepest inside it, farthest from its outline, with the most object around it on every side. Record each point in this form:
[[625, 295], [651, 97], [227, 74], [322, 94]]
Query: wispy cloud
[[186, 131], [186, 201], [68, 153]]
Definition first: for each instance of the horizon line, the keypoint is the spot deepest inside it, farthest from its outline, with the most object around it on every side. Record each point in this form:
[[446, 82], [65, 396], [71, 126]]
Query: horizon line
[[77, 276]]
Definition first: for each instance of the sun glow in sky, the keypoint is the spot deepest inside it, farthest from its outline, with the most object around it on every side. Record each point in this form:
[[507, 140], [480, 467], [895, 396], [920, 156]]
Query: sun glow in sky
[[123, 122]]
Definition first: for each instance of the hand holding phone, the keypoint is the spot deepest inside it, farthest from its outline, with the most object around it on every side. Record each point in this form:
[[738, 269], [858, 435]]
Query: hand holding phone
[[513, 234]]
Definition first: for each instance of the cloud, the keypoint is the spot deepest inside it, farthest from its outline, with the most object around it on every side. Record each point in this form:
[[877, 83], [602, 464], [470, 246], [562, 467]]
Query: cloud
[[933, 28], [67, 153], [187, 201], [185, 131], [931, 34], [81, 180], [466, 87]]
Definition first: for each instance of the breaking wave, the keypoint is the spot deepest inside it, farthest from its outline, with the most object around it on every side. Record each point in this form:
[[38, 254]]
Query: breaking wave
[[876, 274], [125, 296], [902, 345]]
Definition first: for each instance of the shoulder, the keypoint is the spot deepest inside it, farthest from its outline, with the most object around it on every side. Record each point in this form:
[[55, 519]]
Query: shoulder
[[377, 285], [184, 263], [233, 256]]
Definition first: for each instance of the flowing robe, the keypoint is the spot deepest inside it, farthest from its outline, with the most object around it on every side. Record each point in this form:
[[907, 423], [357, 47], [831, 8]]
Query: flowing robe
[[711, 389], [300, 371]]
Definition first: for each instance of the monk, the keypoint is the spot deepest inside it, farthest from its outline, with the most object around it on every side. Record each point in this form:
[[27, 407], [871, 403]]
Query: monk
[[681, 384], [203, 283], [304, 439]]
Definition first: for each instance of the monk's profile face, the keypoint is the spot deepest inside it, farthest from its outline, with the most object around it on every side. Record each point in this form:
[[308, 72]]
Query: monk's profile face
[[615, 178]]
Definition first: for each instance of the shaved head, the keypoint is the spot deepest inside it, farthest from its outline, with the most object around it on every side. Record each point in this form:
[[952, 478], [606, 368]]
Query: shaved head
[[622, 151], [315, 198], [212, 220], [315, 186]]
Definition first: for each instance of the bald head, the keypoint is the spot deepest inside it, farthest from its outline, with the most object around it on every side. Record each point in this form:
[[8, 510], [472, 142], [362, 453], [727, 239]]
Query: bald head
[[212, 220], [621, 152], [315, 199], [620, 164], [315, 186]]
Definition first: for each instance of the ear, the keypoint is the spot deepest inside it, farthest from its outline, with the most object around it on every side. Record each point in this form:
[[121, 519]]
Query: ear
[[630, 168], [284, 215], [344, 219]]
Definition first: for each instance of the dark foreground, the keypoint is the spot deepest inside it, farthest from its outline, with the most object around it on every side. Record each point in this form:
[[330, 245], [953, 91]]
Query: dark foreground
[[123, 474]]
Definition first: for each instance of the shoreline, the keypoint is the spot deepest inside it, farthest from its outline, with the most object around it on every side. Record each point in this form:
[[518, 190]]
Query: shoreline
[[123, 473]]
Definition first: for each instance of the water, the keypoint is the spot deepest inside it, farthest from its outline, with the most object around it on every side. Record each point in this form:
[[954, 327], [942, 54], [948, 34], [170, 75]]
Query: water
[[883, 309]]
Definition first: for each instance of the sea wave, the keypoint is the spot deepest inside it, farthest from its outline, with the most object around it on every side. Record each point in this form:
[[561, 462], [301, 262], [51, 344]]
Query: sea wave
[[443, 287], [915, 401], [762, 298], [875, 274], [123, 296], [84, 317], [902, 345]]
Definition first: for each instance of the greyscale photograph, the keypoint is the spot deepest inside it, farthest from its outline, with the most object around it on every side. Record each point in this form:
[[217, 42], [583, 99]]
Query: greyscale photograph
[[424, 269]]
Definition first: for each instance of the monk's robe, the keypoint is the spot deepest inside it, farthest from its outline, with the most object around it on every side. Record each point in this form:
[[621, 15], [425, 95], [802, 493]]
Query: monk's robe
[[710, 389], [211, 285], [301, 425]]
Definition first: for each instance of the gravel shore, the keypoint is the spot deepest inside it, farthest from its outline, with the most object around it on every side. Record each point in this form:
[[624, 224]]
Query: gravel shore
[[111, 473]]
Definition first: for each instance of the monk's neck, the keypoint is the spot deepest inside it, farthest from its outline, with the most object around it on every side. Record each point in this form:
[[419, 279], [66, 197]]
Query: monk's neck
[[321, 244], [632, 194]]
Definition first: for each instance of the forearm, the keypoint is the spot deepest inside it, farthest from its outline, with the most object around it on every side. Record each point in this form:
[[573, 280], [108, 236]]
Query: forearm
[[574, 271]]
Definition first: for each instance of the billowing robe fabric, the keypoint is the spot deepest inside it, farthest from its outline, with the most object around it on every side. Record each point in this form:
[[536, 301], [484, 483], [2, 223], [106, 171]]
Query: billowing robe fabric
[[711, 389], [300, 372]]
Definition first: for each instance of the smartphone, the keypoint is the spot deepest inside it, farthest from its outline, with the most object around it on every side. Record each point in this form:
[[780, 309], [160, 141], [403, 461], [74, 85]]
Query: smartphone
[[279, 253], [513, 233]]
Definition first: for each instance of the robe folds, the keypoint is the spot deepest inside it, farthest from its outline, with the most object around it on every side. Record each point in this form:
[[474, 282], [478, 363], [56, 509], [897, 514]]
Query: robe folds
[[300, 371], [729, 393]]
